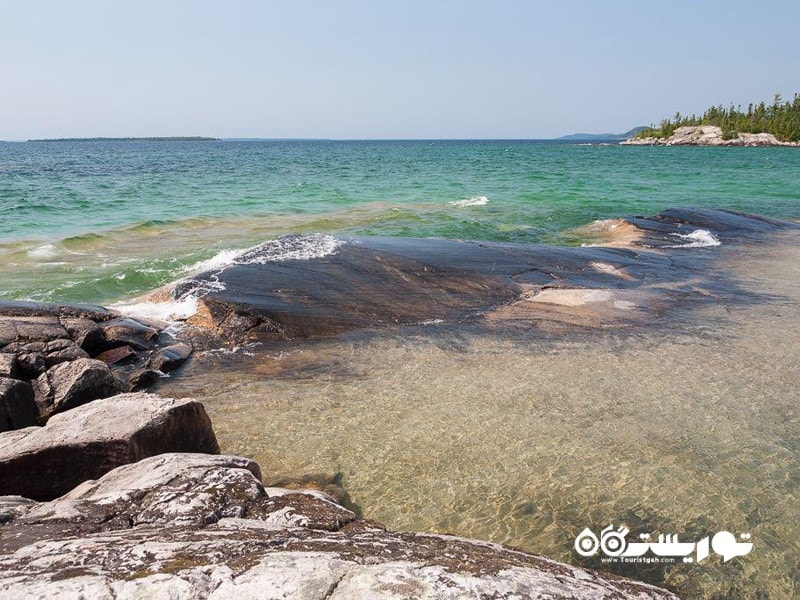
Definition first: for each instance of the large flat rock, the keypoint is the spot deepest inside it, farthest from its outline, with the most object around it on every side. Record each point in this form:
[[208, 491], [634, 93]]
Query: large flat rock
[[195, 526], [88, 441], [374, 282]]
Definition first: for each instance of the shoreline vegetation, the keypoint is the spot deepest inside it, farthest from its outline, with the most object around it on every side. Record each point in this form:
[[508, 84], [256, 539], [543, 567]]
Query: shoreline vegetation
[[777, 124], [131, 139]]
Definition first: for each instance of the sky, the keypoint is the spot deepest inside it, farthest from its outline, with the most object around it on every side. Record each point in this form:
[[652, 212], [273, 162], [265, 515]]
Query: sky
[[352, 69]]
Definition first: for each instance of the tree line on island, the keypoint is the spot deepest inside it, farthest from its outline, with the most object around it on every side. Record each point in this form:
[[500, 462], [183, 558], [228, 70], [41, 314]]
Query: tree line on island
[[781, 119]]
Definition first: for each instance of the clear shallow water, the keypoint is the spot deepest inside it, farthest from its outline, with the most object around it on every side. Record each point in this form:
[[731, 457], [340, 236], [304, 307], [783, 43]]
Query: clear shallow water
[[689, 431], [104, 221]]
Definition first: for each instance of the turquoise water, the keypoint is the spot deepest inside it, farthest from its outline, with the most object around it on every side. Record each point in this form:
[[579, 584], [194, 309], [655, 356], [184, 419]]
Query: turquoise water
[[105, 221]]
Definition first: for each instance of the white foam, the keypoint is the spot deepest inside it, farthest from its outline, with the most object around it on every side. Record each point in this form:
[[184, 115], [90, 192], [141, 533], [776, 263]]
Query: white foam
[[611, 223], [220, 260], [699, 238], [169, 311], [43, 251], [475, 201], [245, 350], [291, 247], [186, 304]]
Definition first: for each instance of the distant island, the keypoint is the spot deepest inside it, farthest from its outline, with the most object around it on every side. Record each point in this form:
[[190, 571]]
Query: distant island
[[759, 124], [133, 139], [604, 137]]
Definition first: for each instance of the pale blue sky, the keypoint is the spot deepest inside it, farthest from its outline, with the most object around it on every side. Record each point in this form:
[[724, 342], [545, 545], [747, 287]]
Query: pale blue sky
[[371, 69]]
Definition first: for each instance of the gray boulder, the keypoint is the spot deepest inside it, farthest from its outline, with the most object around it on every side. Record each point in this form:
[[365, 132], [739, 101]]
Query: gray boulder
[[34, 358], [194, 526], [85, 443], [59, 351], [86, 333], [31, 329], [72, 384], [31, 364], [17, 405]]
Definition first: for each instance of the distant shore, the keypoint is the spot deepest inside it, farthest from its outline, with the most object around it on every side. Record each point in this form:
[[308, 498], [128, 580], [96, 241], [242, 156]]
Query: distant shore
[[707, 135], [132, 139]]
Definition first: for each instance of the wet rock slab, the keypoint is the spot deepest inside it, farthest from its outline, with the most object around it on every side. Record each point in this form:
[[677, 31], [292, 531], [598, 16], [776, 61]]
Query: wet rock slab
[[374, 282], [197, 526]]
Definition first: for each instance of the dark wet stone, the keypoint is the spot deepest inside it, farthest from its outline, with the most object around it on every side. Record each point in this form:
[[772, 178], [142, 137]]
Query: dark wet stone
[[380, 282], [143, 378], [171, 357], [376, 282], [17, 405], [122, 332], [726, 225]]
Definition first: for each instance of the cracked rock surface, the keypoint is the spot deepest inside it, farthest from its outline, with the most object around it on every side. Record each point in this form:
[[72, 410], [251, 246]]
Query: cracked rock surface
[[204, 526]]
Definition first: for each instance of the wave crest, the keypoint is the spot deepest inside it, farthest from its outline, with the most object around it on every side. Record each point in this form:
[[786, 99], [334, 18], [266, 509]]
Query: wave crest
[[474, 201]]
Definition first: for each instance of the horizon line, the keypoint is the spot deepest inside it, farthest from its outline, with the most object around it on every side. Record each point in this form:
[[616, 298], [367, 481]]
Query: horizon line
[[597, 136]]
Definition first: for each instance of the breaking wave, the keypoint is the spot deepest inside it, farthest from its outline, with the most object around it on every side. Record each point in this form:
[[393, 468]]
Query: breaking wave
[[289, 247], [475, 201], [187, 293]]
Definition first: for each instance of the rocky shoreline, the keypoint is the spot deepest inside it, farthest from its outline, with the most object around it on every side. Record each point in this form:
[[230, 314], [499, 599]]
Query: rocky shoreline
[[708, 135], [110, 492]]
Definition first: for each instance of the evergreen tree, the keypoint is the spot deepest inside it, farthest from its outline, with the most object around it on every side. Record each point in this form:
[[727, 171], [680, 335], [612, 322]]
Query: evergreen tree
[[781, 119]]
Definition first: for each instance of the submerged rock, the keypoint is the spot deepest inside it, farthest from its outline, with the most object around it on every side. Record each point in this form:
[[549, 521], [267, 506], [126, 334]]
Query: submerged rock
[[143, 378], [86, 442], [195, 526]]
